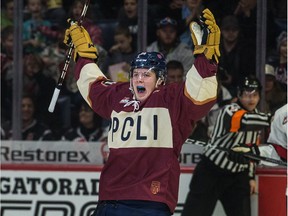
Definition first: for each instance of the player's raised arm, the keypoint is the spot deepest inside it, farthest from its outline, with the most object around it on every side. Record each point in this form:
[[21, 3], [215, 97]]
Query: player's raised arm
[[85, 54], [201, 84]]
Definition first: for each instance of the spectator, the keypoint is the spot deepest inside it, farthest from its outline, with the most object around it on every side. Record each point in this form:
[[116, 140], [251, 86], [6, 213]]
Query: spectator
[[120, 55], [219, 176], [52, 56], [38, 85], [168, 44], [89, 126], [191, 11], [109, 8], [237, 59], [95, 32], [55, 13], [32, 128], [281, 66], [246, 13], [175, 72], [7, 13], [279, 9], [173, 10], [34, 40], [275, 96], [128, 17], [6, 72]]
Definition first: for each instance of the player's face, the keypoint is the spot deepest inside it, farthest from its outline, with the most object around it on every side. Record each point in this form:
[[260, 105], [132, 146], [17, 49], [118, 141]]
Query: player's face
[[27, 109], [174, 75], [144, 83], [249, 99]]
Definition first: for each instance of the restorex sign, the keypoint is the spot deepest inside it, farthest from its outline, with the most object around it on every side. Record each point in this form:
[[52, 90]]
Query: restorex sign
[[80, 153]]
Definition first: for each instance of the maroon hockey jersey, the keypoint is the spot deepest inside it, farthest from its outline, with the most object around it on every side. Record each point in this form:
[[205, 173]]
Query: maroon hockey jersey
[[145, 138]]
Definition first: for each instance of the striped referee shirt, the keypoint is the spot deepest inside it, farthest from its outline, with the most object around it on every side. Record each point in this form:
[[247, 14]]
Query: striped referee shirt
[[235, 126]]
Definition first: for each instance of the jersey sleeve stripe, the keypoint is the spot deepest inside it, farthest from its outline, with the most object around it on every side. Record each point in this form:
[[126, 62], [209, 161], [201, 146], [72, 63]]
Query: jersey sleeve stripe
[[88, 75], [198, 89]]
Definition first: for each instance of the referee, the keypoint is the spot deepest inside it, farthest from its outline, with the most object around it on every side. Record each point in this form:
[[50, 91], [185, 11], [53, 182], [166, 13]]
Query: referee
[[216, 177]]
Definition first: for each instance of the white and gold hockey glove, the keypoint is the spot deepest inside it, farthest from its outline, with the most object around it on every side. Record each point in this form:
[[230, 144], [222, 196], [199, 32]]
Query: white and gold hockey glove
[[206, 36], [82, 42]]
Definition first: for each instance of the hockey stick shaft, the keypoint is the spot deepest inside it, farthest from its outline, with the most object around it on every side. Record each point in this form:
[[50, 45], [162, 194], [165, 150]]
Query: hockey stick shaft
[[66, 64], [247, 155]]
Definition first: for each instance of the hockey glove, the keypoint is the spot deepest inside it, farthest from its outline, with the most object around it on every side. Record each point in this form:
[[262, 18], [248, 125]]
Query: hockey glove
[[237, 154], [206, 36], [81, 40]]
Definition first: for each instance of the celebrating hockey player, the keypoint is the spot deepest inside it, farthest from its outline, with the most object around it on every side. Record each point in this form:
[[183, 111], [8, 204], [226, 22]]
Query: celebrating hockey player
[[149, 120]]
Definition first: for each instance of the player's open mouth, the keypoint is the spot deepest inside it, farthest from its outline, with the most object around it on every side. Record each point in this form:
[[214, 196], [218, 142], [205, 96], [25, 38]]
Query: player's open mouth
[[141, 89]]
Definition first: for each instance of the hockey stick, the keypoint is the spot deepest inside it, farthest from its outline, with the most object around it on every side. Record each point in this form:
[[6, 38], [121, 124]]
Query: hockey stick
[[247, 155], [67, 62]]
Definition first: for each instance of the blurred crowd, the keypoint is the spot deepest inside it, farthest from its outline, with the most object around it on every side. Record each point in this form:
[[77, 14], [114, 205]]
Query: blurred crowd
[[113, 26]]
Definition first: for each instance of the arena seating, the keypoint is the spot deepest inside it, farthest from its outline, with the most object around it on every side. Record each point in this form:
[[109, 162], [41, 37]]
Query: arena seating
[[107, 27]]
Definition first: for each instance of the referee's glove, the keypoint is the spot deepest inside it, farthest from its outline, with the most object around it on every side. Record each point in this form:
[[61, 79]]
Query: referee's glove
[[237, 153]]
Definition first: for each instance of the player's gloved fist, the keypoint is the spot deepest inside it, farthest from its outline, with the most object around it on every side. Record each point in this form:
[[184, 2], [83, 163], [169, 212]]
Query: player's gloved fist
[[237, 154], [81, 41], [206, 36]]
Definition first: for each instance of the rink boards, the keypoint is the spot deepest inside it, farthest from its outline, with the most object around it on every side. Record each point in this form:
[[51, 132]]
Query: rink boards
[[62, 178]]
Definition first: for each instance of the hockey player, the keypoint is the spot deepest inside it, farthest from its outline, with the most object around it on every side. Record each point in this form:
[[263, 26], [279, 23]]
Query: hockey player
[[227, 177], [149, 121], [277, 139]]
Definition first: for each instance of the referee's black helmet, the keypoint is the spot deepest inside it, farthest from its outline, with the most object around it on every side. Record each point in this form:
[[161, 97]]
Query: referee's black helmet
[[250, 84]]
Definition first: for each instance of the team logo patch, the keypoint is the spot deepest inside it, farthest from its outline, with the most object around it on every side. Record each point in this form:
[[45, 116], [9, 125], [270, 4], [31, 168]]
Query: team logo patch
[[155, 187]]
